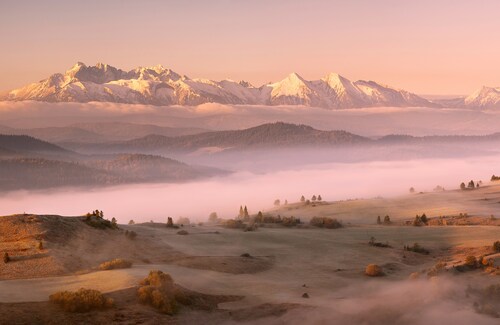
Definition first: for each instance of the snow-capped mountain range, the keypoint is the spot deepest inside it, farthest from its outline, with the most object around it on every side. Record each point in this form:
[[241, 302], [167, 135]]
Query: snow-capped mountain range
[[160, 86]]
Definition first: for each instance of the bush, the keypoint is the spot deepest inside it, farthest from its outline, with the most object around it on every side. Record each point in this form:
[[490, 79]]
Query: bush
[[182, 232], [159, 291], [130, 234], [417, 249], [82, 300], [325, 222], [496, 246], [117, 263], [373, 270], [471, 261]]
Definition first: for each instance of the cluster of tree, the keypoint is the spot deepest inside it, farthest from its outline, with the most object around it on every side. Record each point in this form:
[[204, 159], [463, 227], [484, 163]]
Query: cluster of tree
[[314, 198], [372, 242], [416, 248], [495, 178], [325, 222], [285, 221], [420, 220], [243, 214], [96, 219], [387, 220], [470, 186]]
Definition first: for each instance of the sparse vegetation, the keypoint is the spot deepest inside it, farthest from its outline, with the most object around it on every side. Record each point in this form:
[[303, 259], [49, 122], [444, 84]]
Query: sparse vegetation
[[372, 242], [130, 234], [417, 249], [325, 222], [373, 270], [82, 300], [117, 263]]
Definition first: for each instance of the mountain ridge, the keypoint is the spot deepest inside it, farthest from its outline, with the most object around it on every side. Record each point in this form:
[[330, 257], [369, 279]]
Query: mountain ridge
[[160, 86]]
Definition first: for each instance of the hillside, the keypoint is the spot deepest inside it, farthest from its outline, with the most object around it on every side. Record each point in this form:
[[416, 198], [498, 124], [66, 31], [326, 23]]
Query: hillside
[[160, 86], [28, 144]]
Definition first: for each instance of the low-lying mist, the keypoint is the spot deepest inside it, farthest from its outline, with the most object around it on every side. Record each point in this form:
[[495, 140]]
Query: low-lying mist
[[224, 195], [375, 121], [439, 300]]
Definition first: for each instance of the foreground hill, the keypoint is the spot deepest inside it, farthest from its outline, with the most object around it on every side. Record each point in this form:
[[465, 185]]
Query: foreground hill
[[160, 86]]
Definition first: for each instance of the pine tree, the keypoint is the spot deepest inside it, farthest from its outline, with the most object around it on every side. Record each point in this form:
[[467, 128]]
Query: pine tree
[[259, 218], [387, 220], [313, 198], [302, 198], [379, 222], [246, 216], [241, 214], [319, 198]]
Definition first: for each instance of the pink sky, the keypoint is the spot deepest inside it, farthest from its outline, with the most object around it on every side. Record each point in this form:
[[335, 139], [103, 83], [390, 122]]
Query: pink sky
[[428, 47]]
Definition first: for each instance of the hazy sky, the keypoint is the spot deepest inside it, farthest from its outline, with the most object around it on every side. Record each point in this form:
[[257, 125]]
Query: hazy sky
[[425, 46]]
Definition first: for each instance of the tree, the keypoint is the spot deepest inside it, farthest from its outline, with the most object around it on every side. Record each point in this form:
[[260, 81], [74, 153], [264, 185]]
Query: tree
[[387, 220], [462, 186], [379, 222], [246, 216], [259, 218], [417, 221], [241, 214], [308, 202], [40, 245], [6, 258], [113, 221], [131, 222], [319, 198], [496, 246], [213, 217], [302, 198], [313, 198], [170, 222], [471, 184], [101, 214], [286, 202], [412, 190], [277, 202], [424, 218]]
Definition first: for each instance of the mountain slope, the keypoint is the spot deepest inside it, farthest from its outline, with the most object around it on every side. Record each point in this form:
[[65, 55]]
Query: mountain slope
[[27, 144], [161, 86]]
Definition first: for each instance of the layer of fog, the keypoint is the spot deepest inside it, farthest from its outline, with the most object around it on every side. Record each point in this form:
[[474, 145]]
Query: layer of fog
[[369, 121], [439, 300], [258, 191]]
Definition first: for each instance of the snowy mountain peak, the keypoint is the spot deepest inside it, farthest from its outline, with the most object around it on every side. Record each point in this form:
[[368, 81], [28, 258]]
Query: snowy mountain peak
[[158, 85]]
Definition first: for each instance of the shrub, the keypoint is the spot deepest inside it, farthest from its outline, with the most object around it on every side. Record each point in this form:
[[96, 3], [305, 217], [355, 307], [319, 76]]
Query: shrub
[[373, 270], [325, 222], [417, 249], [117, 263], [234, 224], [130, 234], [6, 258], [159, 291], [82, 300], [471, 261], [496, 246]]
